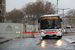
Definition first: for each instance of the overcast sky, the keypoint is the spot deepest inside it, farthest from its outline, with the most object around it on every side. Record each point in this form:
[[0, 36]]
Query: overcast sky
[[18, 4]]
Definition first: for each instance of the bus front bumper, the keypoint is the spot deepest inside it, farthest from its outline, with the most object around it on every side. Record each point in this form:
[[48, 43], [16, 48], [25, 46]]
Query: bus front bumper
[[57, 34]]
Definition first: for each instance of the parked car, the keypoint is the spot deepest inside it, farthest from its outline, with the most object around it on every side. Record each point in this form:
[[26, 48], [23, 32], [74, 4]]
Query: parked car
[[67, 29], [64, 30], [70, 29]]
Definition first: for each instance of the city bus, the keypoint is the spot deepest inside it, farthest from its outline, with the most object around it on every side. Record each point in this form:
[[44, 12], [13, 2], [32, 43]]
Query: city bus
[[50, 26]]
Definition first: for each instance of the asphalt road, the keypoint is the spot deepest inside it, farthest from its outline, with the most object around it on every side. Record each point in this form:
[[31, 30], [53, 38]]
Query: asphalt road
[[39, 44]]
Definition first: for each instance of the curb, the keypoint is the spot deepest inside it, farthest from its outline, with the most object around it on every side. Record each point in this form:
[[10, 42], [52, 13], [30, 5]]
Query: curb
[[70, 41], [5, 41]]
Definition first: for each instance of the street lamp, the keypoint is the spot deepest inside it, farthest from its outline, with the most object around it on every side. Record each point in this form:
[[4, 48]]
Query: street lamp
[[63, 15], [22, 21]]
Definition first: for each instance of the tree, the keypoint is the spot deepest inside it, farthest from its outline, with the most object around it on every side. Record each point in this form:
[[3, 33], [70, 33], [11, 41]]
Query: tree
[[38, 8], [14, 15], [71, 17]]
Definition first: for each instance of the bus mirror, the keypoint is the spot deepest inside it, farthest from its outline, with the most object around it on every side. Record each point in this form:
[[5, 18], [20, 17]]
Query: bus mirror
[[60, 20], [38, 21]]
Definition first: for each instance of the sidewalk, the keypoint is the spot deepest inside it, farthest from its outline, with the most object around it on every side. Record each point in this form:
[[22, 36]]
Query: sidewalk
[[69, 34], [2, 40], [70, 39]]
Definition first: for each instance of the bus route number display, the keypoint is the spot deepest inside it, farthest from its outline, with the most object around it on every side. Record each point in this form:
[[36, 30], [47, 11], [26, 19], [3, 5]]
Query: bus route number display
[[43, 18]]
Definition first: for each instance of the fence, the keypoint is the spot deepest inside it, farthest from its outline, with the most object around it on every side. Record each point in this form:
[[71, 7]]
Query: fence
[[18, 30]]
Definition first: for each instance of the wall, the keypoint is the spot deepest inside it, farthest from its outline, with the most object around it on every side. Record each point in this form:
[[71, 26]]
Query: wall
[[31, 31], [29, 28], [11, 30]]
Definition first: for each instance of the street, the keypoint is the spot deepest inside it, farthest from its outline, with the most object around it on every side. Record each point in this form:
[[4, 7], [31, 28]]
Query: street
[[37, 24], [39, 44]]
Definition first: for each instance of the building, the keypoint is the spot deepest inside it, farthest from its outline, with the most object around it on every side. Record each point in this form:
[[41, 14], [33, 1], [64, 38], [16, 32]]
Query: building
[[2, 10]]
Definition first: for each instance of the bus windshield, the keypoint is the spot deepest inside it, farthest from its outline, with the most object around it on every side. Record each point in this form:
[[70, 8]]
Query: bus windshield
[[50, 24]]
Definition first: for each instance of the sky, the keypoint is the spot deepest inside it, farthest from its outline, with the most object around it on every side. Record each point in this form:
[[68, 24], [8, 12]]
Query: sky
[[18, 4]]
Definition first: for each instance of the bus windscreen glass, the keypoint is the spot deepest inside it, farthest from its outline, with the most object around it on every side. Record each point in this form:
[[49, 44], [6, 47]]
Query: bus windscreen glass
[[50, 23]]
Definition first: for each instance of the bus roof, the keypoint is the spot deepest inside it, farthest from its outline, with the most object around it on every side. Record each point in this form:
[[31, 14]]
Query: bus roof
[[49, 15]]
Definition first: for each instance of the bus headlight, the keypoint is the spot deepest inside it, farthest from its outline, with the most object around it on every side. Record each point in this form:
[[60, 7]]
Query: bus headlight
[[42, 32], [58, 31]]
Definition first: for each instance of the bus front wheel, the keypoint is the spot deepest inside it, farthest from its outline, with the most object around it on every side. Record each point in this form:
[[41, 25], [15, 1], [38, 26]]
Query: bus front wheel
[[59, 37], [43, 37]]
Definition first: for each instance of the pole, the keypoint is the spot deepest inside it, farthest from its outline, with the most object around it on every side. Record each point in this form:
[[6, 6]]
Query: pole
[[49, 8], [20, 31], [63, 19], [63, 13], [20, 27], [57, 6], [2, 11], [63, 16]]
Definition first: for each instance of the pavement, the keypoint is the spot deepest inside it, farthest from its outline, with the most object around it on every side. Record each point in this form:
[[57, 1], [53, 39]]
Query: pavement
[[69, 34], [3, 40], [70, 38]]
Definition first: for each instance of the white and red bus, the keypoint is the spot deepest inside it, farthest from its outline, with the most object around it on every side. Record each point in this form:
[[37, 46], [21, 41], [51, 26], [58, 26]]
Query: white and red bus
[[50, 26]]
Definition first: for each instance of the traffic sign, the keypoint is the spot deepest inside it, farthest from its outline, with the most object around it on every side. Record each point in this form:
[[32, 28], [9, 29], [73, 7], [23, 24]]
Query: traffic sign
[[62, 26]]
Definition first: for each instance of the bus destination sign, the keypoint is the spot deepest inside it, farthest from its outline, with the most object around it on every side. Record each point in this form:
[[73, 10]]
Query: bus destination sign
[[43, 18]]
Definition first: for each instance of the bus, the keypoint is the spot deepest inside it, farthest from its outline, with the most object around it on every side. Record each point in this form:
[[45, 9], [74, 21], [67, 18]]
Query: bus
[[50, 26]]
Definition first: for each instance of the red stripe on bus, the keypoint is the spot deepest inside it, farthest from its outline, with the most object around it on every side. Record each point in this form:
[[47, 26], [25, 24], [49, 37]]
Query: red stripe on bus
[[29, 32], [50, 32]]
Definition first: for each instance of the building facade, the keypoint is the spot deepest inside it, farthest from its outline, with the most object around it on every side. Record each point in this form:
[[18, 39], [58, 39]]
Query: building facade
[[2, 10]]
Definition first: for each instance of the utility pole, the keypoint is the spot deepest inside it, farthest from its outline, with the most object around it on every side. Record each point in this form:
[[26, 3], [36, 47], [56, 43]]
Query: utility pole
[[57, 6], [49, 8], [63, 18]]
